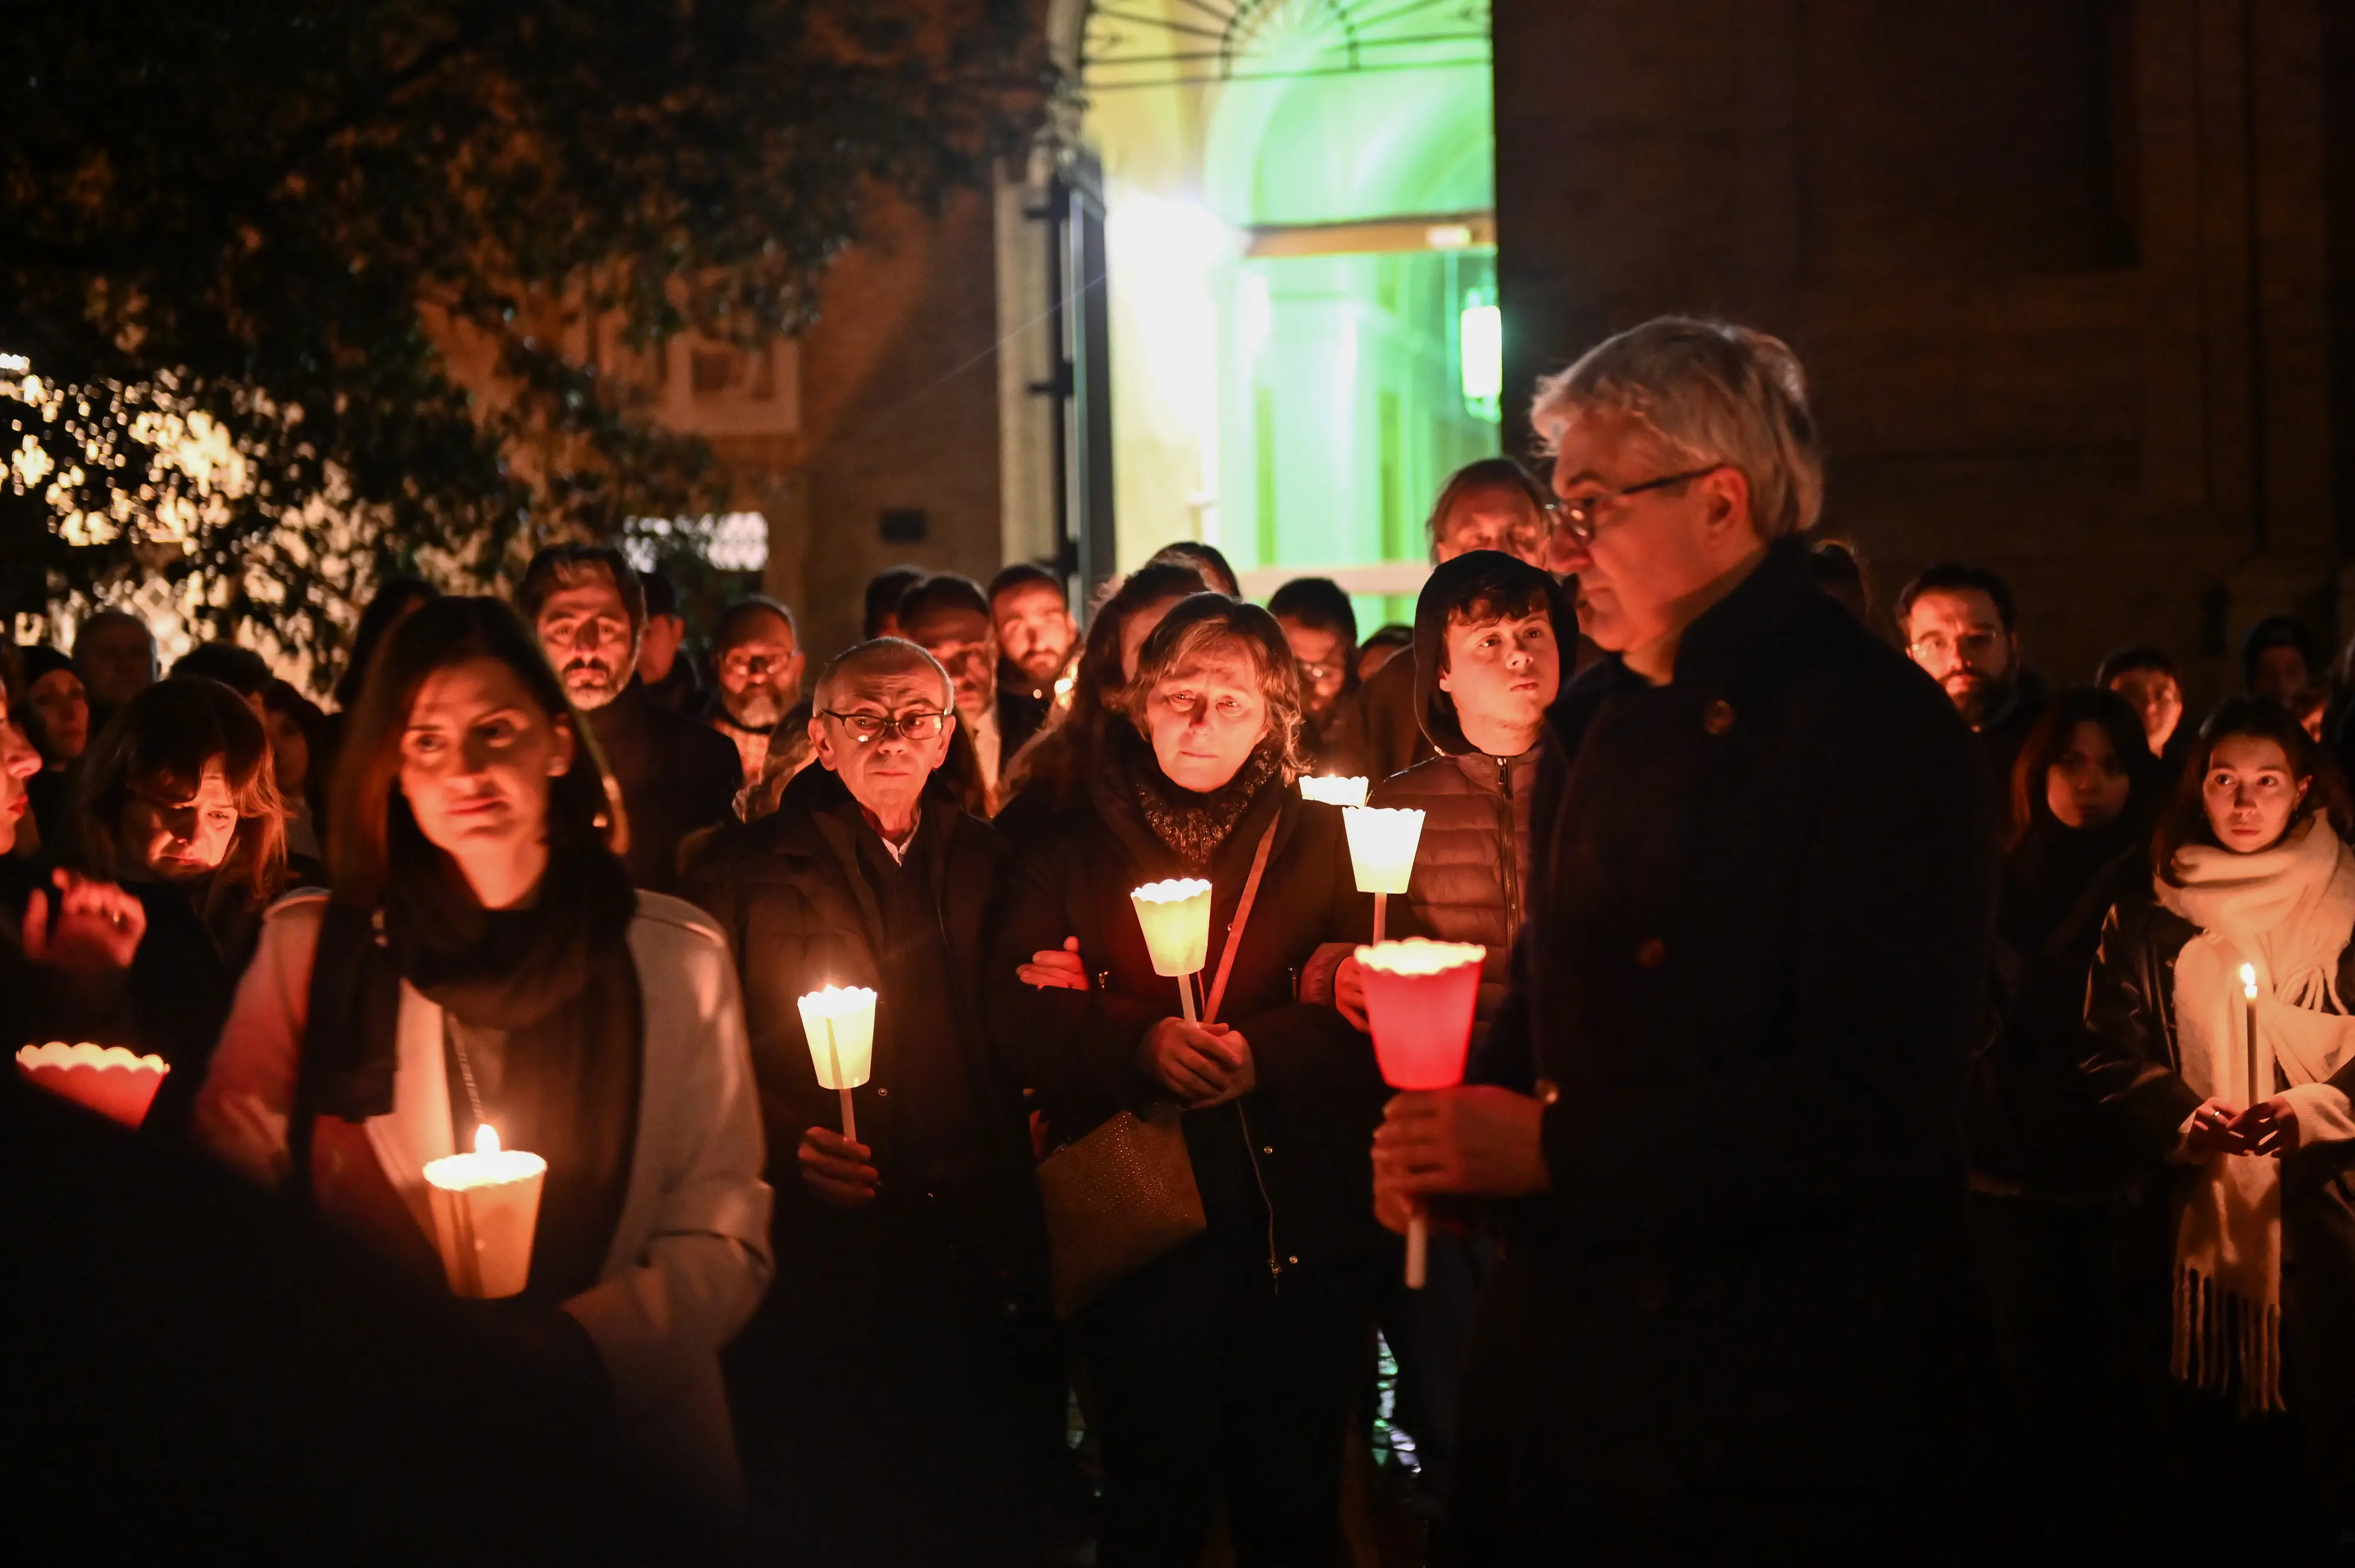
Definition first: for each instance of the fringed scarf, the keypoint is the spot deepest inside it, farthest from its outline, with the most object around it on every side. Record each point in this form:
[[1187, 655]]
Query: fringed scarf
[[2288, 911]]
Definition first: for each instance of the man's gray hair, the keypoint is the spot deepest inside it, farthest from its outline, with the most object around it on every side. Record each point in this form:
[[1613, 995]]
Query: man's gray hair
[[881, 656], [1710, 392]]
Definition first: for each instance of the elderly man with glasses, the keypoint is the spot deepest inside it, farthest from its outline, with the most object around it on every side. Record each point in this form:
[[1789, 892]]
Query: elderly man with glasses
[[904, 1386], [1720, 1092]]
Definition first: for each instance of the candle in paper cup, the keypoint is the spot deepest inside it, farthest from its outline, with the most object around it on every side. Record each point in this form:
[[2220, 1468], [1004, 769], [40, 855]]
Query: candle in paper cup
[[1381, 846], [840, 1023], [107, 1079], [1334, 791], [1419, 1001], [485, 1211], [1176, 915], [1419, 997]]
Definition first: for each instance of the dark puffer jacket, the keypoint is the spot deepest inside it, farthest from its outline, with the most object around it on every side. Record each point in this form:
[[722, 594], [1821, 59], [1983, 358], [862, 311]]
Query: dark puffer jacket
[[1474, 861], [1473, 865]]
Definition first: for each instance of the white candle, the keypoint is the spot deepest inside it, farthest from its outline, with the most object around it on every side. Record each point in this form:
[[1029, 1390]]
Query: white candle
[[840, 1025], [2249, 991], [485, 1213]]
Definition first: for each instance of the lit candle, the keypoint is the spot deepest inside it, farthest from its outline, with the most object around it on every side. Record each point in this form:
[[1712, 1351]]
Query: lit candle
[[2249, 989], [107, 1079], [1334, 791], [1381, 852], [840, 1023], [485, 1211], [1176, 915], [1419, 998]]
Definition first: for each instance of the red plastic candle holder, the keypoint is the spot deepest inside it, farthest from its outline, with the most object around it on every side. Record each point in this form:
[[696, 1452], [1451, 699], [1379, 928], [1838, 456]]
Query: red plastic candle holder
[[1419, 997]]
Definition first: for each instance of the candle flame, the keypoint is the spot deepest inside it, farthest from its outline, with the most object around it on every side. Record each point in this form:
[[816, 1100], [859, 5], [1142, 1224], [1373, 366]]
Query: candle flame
[[2249, 980], [486, 1141]]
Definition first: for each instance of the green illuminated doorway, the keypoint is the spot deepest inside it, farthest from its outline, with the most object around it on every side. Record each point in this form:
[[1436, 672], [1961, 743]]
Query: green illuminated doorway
[[1305, 340]]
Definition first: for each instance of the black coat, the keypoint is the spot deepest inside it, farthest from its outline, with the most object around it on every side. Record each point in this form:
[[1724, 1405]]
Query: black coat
[[920, 1319], [2032, 1123], [1020, 716], [800, 914], [677, 776], [1303, 1134], [1762, 904]]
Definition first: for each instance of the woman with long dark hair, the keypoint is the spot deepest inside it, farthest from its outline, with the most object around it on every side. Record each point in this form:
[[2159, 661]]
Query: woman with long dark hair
[[1228, 1365], [2054, 1177], [2249, 1101], [482, 960]]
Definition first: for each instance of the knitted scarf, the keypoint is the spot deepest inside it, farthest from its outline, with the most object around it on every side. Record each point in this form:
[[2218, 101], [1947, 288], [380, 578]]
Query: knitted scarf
[[1193, 825], [2288, 912]]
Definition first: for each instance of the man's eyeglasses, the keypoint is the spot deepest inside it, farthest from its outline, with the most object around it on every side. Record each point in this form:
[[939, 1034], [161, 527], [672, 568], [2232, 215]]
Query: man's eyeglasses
[[1977, 647], [870, 728], [1578, 517]]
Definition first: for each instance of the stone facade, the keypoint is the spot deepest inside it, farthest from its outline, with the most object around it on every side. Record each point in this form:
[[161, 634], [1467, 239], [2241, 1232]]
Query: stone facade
[[2071, 276]]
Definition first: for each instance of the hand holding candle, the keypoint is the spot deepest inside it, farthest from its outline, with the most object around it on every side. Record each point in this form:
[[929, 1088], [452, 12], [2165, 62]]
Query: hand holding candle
[[840, 1023], [486, 1213], [1419, 998], [1381, 852]]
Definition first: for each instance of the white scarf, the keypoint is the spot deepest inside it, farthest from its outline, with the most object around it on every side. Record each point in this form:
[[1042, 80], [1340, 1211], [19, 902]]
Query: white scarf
[[2288, 912]]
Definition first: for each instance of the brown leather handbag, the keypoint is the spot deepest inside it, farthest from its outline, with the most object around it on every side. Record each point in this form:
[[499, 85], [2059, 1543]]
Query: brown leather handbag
[[1124, 1194]]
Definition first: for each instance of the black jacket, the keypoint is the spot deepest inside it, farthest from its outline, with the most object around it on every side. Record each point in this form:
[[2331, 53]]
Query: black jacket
[[1762, 904], [677, 776], [1020, 716], [1303, 1136], [797, 894], [2133, 1055], [1378, 729], [2032, 1122]]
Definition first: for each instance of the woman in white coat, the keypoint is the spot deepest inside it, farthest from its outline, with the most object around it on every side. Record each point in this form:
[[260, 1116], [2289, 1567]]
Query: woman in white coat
[[483, 960]]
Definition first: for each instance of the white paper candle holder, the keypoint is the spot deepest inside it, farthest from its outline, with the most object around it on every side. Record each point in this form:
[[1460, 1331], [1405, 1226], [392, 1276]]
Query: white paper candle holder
[[1334, 791], [486, 1213], [840, 1025]]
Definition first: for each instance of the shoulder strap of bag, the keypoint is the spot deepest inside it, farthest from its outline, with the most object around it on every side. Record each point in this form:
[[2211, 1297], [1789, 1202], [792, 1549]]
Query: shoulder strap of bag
[[1242, 917]]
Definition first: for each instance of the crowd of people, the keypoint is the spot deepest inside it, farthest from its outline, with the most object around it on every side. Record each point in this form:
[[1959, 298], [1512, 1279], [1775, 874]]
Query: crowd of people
[[1872, 1142]]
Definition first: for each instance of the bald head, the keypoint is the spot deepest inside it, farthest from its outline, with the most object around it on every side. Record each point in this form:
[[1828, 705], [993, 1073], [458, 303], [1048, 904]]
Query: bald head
[[870, 662]]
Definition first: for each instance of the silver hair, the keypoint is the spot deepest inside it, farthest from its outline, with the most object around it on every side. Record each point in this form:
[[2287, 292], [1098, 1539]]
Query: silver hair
[[1709, 391], [884, 655]]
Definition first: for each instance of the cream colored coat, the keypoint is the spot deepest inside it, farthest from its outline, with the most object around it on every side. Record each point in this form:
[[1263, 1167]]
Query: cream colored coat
[[690, 1257]]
